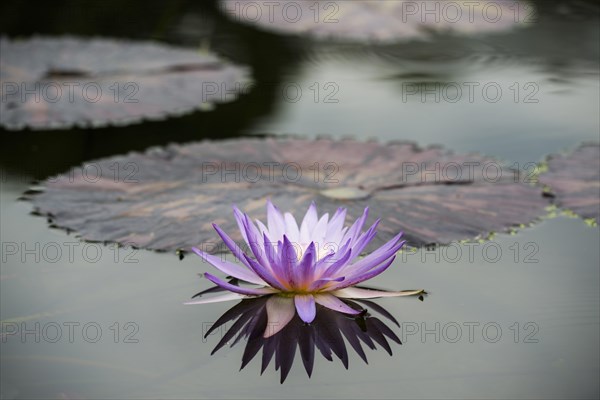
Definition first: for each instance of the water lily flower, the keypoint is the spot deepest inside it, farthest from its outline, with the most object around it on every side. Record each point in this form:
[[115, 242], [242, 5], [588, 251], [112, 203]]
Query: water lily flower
[[302, 265]]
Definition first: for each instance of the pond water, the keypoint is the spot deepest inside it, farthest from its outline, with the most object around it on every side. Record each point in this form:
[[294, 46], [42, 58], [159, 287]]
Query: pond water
[[518, 317]]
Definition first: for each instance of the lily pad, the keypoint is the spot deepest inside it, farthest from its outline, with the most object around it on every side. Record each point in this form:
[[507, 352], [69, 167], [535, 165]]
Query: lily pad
[[574, 179], [168, 198], [380, 21], [64, 82]]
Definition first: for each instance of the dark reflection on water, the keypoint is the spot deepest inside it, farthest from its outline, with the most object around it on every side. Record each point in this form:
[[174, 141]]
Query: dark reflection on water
[[325, 335]]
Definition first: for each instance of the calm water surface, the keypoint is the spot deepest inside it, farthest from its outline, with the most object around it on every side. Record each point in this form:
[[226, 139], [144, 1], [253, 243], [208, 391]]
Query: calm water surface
[[518, 318]]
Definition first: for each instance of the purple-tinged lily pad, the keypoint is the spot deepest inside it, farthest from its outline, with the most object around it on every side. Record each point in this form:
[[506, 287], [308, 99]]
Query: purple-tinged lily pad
[[64, 82], [168, 198], [574, 179], [381, 21]]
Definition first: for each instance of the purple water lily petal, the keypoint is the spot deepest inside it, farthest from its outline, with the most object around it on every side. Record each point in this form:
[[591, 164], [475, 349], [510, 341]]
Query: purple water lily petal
[[318, 234], [337, 265], [288, 263], [320, 284], [239, 289], [235, 249], [367, 275], [280, 311], [264, 273], [255, 242], [275, 221], [305, 266], [240, 220], [333, 303], [217, 299], [375, 258], [270, 251], [354, 231], [359, 293], [230, 269], [363, 240], [291, 228], [308, 223], [336, 224], [306, 307]]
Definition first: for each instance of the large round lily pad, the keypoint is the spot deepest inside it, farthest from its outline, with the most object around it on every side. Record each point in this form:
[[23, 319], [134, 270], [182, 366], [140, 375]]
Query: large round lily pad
[[574, 179], [50, 83], [380, 21], [167, 198]]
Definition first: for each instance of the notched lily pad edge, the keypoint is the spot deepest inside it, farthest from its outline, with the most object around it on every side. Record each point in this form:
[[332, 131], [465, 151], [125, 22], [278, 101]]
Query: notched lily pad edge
[[555, 209], [425, 34], [245, 79], [93, 124], [181, 253]]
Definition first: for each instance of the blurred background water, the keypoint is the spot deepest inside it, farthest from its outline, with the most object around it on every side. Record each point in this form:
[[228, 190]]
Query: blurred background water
[[357, 90]]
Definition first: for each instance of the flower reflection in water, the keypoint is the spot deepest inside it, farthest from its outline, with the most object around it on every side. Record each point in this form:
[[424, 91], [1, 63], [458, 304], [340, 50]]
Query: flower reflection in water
[[325, 334]]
